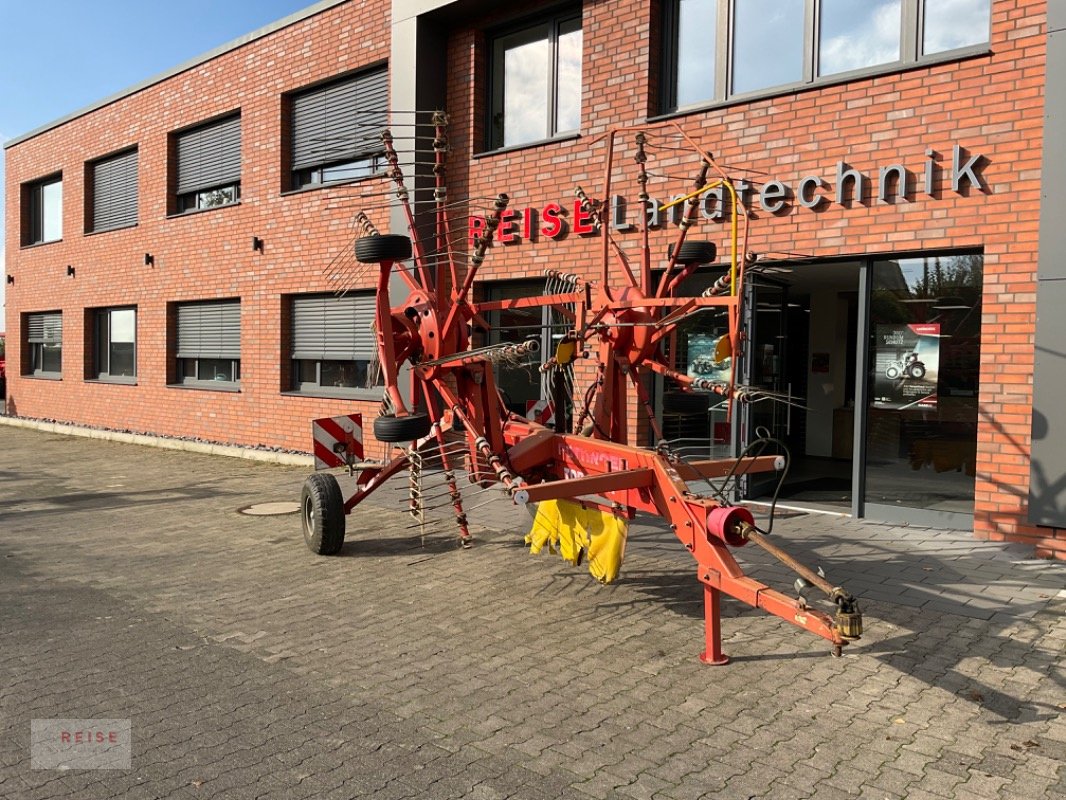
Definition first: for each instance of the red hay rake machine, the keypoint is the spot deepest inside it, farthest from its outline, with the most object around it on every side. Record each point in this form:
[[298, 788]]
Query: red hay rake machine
[[585, 476]]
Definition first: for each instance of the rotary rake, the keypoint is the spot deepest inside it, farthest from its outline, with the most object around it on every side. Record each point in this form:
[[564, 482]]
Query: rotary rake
[[614, 331]]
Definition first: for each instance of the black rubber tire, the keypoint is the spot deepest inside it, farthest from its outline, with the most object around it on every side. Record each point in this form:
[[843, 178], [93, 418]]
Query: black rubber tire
[[322, 514], [401, 429], [892, 373], [695, 251], [387, 247], [916, 371]]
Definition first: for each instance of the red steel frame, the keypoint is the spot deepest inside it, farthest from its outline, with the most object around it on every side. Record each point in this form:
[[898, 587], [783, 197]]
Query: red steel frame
[[626, 325]]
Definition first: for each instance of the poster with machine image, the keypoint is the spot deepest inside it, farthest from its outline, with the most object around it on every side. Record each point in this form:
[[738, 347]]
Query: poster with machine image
[[906, 366], [701, 363]]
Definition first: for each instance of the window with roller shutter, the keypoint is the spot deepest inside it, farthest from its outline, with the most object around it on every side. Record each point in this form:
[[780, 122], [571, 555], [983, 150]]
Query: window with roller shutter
[[113, 193], [208, 343], [336, 129], [44, 344], [208, 162], [333, 344]]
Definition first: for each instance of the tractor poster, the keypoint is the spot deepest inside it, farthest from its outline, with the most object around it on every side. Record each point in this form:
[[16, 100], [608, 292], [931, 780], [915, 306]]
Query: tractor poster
[[906, 366], [701, 363]]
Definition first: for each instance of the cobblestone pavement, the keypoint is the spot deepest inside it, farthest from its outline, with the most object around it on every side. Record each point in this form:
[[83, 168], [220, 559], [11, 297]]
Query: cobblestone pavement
[[131, 587]]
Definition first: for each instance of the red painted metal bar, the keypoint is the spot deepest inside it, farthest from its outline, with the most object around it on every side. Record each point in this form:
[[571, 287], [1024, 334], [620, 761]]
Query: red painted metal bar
[[386, 340], [382, 475], [719, 468], [405, 201], [591, 484]]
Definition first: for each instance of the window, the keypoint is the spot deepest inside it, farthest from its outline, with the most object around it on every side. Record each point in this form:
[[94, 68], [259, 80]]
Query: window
[[42, 204], [858, 35], [112, 184], [44, 340], [951, 24], [718, 49], [115, 337], [209, 343], [209, 165], [767, 44], [536, 82], [336, 130], [333, 344]]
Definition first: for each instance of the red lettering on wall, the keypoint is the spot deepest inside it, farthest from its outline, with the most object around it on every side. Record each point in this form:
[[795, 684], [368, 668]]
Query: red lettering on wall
[[553, 225], [582, 219], [527, 223], [505, 234], [475, 227], [65, 737]]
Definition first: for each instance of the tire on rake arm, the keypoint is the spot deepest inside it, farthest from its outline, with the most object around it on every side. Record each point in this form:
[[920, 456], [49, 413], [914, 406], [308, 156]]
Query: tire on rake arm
[[387, 247], [696, 251], [322, 514], [393, 429]]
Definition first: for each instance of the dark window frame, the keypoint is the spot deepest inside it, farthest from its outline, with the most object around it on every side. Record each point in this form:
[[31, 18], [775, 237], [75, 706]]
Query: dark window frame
[[33, 210], [33, 365], [313, 174], [102, 345], [549, 22], [317, 358], [205, 196], [93, 200], [912, 34], [191, 367]]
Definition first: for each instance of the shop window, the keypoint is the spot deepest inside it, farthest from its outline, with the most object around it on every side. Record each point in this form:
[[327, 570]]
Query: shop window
[[925, 363], [334, 348], [208, 344], [115, 340], [208, 165], [42, 203], [44, 345], [536, 82], [521, 388], [336, 130], [112, 190], [717, 49]]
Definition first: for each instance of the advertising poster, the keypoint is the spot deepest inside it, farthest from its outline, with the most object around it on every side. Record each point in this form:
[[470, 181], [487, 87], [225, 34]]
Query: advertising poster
[[701, 359], [906, 366]]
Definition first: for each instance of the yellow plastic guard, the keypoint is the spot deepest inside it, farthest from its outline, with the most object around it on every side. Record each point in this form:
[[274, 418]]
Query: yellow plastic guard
[[572, 530], [607, 545], [564, 352], [723, 349]]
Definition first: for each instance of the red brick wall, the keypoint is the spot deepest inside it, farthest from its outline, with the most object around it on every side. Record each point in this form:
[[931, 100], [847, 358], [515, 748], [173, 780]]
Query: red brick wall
[[990, 104], [199, 256]]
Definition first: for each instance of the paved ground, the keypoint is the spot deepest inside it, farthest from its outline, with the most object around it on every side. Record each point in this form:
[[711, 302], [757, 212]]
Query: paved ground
[[130, 587]]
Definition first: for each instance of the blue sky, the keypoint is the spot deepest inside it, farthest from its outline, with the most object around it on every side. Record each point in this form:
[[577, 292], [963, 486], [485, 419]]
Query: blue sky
[[61, 55]]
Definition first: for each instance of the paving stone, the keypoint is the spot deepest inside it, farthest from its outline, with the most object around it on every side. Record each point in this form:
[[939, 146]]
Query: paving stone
[[252, 668]]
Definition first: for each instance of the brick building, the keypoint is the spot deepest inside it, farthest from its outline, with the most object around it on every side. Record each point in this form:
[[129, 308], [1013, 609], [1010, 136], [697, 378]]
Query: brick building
[[174, 251]]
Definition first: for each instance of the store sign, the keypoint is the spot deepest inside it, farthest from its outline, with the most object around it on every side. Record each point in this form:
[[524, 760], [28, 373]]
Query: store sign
[[851, 187]]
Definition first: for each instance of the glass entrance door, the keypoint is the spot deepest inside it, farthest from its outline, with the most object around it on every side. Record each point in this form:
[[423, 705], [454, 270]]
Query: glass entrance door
[[923, 367], [767, 374]]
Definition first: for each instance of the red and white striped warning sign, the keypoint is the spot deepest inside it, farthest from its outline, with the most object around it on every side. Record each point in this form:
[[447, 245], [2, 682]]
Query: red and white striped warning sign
[[540, 411], [337, 439]]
